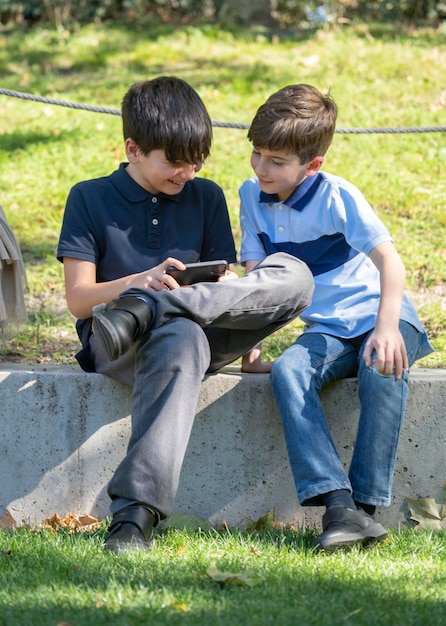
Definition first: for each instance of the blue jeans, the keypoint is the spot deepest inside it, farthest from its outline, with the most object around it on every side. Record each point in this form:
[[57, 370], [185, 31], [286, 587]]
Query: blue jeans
[[297, 378]]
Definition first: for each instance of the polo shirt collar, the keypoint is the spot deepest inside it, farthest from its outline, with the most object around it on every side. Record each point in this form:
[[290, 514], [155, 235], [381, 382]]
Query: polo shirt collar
[[300, 196], [134, 192]]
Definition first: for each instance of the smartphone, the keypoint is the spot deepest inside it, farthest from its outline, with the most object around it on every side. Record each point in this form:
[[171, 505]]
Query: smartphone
[[204, 272]]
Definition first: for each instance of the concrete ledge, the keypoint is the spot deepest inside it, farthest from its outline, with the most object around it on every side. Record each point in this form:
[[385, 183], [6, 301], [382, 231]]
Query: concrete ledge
[[65, 431]]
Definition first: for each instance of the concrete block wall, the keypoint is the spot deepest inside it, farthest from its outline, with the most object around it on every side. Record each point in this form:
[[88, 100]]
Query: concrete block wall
[[64, 432]]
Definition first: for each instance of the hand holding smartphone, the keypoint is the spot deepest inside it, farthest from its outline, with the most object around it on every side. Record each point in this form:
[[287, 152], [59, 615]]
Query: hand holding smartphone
[[205, 271]]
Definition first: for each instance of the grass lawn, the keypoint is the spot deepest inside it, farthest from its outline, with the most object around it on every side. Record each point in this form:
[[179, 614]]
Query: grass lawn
[[271, 577], [378, 78]]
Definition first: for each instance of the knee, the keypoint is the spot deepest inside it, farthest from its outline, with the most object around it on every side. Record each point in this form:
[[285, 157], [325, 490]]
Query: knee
[[293, 369], [297, 277], [302, 281]]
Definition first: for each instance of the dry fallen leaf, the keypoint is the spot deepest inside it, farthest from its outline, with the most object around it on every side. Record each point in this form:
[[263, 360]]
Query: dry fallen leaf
[[179, 607], [7, 522], [429, 512], [263, 523], [72, 522], [230, 578]]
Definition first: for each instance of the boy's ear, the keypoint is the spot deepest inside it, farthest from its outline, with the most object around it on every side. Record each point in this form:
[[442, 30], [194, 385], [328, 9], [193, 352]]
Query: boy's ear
[[131, 150], [315, 165]]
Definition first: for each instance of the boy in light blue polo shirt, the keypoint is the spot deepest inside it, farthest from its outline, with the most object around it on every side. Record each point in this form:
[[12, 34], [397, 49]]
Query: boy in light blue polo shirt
[[360, 322]]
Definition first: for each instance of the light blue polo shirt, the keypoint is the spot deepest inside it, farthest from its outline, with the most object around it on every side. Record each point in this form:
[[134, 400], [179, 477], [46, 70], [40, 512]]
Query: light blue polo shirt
[[328, 224]]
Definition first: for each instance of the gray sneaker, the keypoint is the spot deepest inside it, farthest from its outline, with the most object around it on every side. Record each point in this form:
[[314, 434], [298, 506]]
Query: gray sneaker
[[345, 527]]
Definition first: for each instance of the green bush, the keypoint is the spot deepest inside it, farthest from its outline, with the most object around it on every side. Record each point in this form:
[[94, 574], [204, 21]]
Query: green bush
[[284, 13]]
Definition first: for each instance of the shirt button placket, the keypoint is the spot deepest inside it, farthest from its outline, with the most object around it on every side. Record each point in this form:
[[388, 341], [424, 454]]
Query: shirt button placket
[[154, 238]]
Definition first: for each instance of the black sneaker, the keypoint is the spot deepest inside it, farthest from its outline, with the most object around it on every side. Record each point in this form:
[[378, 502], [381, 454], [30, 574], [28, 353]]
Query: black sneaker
[[345, 527]]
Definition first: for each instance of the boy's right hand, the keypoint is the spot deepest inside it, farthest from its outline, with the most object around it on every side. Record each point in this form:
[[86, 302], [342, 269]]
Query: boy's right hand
[[156, 278]]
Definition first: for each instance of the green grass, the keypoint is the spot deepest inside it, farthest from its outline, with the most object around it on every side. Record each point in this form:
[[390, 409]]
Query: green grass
[[378, 77], [48, 579]]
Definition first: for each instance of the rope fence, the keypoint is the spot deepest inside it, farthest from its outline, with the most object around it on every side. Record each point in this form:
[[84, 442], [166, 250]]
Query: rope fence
[[97, 109]]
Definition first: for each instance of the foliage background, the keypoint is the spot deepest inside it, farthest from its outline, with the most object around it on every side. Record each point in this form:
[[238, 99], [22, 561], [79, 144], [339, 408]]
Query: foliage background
[[282, 13]]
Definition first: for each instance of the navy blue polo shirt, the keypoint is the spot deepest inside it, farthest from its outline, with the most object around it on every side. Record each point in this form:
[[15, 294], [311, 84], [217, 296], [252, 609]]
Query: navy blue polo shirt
[[123, 229]]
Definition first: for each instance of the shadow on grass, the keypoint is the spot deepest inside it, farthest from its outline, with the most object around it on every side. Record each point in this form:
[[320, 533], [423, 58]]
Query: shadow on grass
[[18, 140]]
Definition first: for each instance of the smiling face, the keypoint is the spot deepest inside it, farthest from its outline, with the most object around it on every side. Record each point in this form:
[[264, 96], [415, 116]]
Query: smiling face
[[280, 172], [155, 173]]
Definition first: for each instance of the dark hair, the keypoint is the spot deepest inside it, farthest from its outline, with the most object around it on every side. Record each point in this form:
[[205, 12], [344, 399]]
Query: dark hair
[[298, 119], [166, 113]]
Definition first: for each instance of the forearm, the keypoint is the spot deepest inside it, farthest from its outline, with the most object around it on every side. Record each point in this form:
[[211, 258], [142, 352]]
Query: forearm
[[392, 290], [392, 284], [385, 348], [81, 298], [83, 292]]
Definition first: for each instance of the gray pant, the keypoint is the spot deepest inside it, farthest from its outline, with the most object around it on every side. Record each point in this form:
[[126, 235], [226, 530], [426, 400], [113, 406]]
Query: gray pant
[[195, 330]]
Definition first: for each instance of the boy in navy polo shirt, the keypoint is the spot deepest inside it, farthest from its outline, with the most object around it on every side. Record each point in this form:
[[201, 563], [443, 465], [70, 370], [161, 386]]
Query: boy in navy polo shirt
[[120, 233], [360, 322]]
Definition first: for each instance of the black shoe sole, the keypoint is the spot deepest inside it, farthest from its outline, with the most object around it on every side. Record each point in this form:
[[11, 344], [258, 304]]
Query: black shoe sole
[[107, 333], [123, 547]]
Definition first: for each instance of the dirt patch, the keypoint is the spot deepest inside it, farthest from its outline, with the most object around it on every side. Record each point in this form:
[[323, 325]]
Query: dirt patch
[[433, 295]]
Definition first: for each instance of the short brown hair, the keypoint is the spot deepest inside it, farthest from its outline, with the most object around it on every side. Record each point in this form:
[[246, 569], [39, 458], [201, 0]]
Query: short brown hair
[[298, 119], [166, 113]]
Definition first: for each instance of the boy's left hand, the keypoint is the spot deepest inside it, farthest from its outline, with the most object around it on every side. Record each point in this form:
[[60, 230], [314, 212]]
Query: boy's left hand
[[386, 351]]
